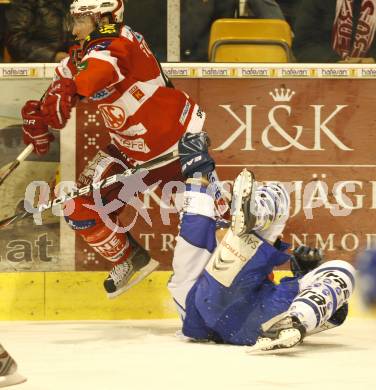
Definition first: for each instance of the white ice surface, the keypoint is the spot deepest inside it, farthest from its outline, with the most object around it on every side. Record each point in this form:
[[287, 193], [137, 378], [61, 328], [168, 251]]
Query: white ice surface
[[113, 355]]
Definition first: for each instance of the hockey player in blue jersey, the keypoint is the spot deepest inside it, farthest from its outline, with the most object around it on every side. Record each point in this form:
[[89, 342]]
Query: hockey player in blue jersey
[[223, 291]]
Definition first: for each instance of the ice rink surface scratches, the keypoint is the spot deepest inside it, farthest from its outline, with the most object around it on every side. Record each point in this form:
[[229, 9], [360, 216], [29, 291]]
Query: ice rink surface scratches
[[113, 355]]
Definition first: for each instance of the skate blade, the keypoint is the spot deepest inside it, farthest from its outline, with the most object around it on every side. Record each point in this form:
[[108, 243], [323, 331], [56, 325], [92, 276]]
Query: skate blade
[[242, 189], [12, 379], [141, 274], [287, 339]]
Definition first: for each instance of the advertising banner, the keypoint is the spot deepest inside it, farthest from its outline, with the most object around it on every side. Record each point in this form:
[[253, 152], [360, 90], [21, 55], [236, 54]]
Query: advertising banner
[[309, 126], [316, 135]]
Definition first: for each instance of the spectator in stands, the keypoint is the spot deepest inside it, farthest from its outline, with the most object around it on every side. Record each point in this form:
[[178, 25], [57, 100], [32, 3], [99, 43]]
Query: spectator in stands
[[288, 9], [197, 17], [335, 31], [37, 30], [265, 9], [2, 29], [149, 17]]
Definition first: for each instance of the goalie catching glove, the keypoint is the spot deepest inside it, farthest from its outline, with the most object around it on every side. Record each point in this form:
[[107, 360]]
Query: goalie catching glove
[[305, 259], [194, 155], [35, 131], [58, 102]]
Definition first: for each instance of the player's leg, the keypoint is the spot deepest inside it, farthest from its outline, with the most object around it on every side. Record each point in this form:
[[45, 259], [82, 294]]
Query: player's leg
[[196, 161], [323, 292], [113, 244], [8, 370], [195, 242], [104, 232]]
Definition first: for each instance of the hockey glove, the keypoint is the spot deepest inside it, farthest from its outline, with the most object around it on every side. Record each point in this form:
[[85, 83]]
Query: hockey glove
[[58, 102], [304, 259], [35, 131], [194, 155]]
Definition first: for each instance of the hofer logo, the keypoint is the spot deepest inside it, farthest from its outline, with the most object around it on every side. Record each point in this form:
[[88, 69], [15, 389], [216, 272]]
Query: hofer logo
[[114, 116]]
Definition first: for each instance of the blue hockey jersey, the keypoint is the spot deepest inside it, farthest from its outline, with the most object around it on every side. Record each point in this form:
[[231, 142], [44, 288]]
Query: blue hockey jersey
[[228, 300]]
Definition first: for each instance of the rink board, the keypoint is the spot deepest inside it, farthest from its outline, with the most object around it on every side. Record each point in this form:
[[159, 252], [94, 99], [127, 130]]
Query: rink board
[[303, 124], [80, 296]]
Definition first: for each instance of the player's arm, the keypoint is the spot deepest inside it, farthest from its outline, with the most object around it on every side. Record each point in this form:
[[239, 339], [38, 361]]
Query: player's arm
[[53, 109], [100, 68], [196, 240]]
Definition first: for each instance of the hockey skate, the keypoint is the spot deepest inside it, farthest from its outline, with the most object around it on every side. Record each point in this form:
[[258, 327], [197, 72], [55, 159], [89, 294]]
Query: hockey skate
[[282, 331], [8, 370], [123, 275], [242, 214]]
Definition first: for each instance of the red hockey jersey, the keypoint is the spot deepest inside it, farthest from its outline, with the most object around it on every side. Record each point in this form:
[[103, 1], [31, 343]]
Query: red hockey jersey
[[145, 117]]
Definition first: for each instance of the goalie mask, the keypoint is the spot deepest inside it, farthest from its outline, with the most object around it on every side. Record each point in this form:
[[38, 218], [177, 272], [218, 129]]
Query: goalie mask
[[98, 8]]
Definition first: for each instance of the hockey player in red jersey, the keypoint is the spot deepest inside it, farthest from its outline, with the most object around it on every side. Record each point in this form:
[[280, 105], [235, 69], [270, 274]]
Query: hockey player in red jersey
[[144, 115]]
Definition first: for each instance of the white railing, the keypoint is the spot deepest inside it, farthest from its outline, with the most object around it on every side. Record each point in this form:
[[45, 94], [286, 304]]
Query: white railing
[[217, 70]]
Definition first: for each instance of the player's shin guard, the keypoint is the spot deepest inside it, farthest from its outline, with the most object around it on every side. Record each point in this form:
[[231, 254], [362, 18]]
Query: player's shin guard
[[127, 255], [320, 305], [272, 210], [324, 292], [115, 246]]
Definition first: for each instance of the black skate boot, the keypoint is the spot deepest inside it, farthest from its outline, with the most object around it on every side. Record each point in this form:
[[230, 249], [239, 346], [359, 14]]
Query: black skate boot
[[281, 331], [243, 217], [8, 370], [120, 278]]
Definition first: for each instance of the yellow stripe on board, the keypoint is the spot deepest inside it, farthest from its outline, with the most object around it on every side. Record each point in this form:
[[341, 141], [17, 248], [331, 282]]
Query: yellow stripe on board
[[80, 296], [22, 296]]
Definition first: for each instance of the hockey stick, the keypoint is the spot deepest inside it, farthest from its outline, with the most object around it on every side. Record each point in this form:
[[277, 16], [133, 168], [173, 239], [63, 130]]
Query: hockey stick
[[89, 188], [21, 157], [15, 218]]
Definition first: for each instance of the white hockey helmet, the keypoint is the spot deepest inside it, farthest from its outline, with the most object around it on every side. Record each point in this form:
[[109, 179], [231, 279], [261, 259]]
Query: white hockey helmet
[[98, 8]]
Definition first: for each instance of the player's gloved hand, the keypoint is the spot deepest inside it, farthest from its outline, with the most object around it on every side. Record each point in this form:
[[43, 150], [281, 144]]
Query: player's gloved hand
[[58, 102], [304, 259], [35, 131], [194, 155]]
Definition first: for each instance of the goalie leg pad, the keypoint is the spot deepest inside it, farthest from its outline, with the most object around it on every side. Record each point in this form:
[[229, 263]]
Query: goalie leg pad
[[272, 210], [322, 292]]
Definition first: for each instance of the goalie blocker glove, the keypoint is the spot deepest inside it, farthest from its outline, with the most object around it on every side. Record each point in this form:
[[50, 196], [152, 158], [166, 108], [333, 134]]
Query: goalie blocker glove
[[304, 259], [35, 131], [194, 155], [58, 102]]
